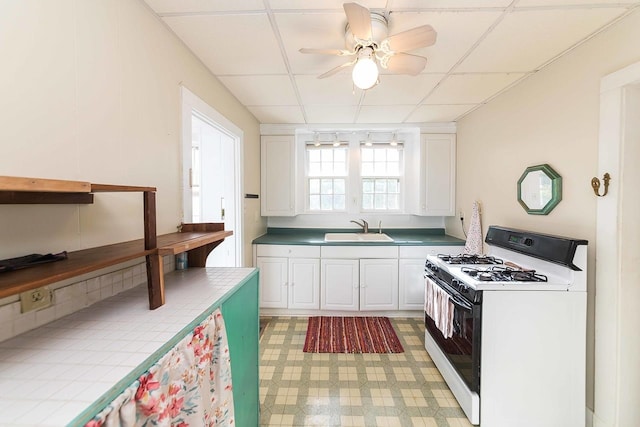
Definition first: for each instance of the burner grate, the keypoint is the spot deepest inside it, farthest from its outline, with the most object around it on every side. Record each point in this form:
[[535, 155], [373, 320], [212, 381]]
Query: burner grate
[[469, 259], [504, 274]]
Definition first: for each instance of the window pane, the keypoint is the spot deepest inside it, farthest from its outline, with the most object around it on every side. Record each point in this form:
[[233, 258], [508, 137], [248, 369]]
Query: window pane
[[338, 186], [393, 169], [340, 168], [381, 185], [326, 168], [380, 168], [340, 155], [327, 155], [393, 186], [326, 202], [314, 186], [367, 154], [393, 201], [367, 168], [314, 168], [367, 186], [380, 155], [327, 186], [367, 201], [314, 202], [339, 202], [380, 201], [393, 155], [314, 155]]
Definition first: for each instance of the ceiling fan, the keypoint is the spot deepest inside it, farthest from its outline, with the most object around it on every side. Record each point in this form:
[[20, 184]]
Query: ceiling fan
[[363, 33]]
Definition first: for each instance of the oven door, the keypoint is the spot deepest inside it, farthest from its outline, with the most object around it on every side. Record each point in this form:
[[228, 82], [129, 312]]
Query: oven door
[[458, 356]]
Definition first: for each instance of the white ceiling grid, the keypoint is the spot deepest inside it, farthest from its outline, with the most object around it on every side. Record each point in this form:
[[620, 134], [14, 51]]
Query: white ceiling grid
[[483, 48]]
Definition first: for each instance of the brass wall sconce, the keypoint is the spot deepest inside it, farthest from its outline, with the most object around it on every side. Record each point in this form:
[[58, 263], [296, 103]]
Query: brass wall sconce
[[595, 184]]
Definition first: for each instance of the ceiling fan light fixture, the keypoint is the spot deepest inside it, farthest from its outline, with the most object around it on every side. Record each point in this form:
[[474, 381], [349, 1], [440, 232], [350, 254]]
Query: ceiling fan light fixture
[[365, 72]]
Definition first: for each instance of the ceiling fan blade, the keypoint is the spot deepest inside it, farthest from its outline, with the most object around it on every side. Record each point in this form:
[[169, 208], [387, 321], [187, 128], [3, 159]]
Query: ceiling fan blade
[[338, 52], [403, 63], [414, 38], [359, 20], [335, 70]]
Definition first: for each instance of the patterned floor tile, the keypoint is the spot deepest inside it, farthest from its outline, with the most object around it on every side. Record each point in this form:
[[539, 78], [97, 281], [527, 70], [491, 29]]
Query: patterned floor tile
[[319, 389]]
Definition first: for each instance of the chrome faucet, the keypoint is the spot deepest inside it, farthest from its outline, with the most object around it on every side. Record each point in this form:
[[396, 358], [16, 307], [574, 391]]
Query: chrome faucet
[[364, 225]]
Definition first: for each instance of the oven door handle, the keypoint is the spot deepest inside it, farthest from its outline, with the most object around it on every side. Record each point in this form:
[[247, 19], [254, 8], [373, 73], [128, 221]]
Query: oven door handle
[[455, 299]]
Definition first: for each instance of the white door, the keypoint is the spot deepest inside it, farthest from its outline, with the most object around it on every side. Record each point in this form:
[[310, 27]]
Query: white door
[[339, 284], [214, 198], [411, 284], [378, 284], [304, 283], [273, 282], [211, 175]]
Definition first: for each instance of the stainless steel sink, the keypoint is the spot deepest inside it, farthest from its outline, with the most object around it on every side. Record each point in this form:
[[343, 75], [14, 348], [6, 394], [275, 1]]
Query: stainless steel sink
[[357, 237]]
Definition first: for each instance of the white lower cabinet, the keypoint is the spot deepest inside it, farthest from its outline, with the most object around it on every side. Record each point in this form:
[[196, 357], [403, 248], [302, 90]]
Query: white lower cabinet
[[289, 276], [304, 283], [378, 284], [339, 284]]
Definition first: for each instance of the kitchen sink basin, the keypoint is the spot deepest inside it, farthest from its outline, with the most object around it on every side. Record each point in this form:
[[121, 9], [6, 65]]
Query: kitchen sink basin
[[357, 237]]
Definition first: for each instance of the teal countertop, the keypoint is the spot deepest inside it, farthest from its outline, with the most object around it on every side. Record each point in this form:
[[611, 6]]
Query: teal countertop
[[315, 236]]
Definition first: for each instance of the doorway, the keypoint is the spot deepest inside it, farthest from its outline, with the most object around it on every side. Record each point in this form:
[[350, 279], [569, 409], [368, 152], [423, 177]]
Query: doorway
[[211, 175]]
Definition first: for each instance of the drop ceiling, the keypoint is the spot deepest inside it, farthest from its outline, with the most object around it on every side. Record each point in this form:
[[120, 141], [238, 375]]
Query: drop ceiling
[[484, 47]]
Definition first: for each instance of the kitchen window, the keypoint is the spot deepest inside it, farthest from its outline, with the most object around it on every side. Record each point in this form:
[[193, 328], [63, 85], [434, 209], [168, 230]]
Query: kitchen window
[[381, 172], [327, 176]]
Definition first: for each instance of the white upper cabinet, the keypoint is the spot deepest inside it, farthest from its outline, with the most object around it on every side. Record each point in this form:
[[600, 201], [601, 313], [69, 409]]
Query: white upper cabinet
[[278, 175], [438, 172]]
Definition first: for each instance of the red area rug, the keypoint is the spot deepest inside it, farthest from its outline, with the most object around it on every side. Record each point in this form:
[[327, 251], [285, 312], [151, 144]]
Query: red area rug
[[351, 335]]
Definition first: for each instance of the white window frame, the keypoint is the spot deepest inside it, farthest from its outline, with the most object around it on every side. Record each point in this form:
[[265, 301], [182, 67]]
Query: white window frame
[[399, 177], [308, 177]]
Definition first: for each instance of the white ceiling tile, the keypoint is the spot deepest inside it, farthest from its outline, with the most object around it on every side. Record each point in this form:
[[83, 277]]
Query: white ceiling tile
[[324, 4], [525, 40], [277, 114], [401, 90], [224, 45], [384, 114], [330, 113], [334, 90], [471, 88], [320, 30], [439, 113], [190, 6], [448, 4], [457, 32], [261, 90]]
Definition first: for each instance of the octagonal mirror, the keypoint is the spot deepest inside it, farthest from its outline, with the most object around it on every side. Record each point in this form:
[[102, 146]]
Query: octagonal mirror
[[539, 189]]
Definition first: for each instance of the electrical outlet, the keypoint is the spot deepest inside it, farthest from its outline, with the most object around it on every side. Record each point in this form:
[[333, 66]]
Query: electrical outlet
[[35, 299], [461, 216]]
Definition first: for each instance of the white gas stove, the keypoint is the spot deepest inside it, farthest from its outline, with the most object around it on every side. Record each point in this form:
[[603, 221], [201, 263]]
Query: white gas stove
[[507, 330]]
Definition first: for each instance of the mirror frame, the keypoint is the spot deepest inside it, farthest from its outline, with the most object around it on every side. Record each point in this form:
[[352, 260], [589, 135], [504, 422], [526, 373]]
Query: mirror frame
[[556, 189]]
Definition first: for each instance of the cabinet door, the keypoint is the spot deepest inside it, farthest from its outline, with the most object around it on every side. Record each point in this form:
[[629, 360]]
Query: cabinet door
[[378, 284], [304, 283], [273, 282], [411, 284], [339, 284], [277, 160], [439, 174]]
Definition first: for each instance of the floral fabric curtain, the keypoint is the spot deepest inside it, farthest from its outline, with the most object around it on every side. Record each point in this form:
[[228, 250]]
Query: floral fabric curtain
[[189, 386]]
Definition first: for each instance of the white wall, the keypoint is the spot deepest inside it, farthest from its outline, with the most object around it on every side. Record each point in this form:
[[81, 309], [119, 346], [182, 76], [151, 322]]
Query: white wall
[[551, 118], [91, 91]]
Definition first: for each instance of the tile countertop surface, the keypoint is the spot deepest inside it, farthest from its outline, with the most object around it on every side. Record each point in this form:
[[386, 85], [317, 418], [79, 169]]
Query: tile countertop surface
[[50, 375], [315, 236]]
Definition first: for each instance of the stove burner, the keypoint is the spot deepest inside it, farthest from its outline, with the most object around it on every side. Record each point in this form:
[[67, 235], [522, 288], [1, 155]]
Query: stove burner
[[504, 274], [469, 259]]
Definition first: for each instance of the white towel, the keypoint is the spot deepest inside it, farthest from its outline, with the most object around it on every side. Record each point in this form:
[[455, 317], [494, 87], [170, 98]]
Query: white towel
[[474, 235], [438, 307]]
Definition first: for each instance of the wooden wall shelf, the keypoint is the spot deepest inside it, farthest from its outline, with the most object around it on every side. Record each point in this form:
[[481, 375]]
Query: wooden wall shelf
[[198, 240]]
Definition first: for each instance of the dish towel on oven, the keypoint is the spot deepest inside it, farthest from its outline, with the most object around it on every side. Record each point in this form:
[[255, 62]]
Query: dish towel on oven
[[474, 236], [438, 307]]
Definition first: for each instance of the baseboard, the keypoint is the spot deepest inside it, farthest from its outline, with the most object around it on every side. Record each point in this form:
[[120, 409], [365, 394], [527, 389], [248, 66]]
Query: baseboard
[[305, 313]]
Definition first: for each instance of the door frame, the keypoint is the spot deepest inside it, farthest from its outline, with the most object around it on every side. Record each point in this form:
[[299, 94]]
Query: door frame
[[609, 334], [189, 103]]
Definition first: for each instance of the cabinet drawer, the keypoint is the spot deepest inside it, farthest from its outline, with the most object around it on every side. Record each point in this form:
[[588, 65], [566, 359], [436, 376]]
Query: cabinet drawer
[[290, 251], [423, 251], [356, 252]]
